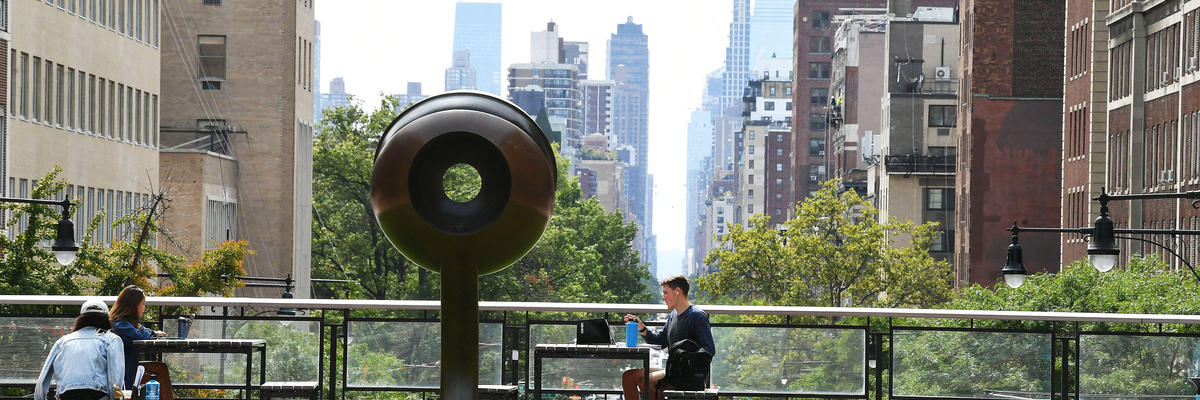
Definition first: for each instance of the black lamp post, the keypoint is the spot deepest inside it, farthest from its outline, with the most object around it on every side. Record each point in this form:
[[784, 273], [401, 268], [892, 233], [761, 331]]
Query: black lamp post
[[64, 244], [1102, 248]]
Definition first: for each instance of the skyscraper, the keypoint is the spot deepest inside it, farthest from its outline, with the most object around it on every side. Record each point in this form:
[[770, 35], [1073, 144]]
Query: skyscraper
[[477, 29], [770, 31], [737, 56], [629, 67], [336, 97], [460, 75]]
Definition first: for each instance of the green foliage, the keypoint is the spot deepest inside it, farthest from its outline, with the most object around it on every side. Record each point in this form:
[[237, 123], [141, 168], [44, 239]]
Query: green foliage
[[105, 268], [585, 254], [834, 253]]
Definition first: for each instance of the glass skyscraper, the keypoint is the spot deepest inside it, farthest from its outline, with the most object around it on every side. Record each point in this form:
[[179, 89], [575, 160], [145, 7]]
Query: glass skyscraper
[[770, 30], [477, 29]]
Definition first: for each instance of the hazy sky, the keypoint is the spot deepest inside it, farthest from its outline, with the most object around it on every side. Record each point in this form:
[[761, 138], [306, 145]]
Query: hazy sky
[[378, 46]]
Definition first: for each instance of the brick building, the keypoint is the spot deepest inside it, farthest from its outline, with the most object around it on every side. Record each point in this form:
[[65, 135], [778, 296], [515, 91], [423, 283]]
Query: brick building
[[812, 56], [237, 134], [1153, 113], [84, 96], [1010, 146]]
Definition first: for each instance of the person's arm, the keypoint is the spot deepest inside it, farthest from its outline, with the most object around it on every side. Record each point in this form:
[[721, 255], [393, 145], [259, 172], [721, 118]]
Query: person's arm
[[658, 338], [116, 362], [42, 387], [126, 330], [702, 331]]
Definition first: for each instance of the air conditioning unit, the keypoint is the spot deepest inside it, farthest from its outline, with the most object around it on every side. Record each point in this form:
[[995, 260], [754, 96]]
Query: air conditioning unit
[[812, 178], [1167, 175], [1166, 77], [941, 73], [1193, 63], [821, 153]]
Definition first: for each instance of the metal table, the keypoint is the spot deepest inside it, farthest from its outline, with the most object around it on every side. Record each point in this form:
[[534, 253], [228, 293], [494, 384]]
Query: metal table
[[155, 348], [601, 351]]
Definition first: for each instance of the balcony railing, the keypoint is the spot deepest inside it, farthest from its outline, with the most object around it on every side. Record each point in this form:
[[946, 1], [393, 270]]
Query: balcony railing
[[355, 348], [919, 164]]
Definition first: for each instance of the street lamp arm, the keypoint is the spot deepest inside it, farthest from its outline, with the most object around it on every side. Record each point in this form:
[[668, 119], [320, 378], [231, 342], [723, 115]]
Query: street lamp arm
[[1168, 249], [1173, 232], [1019, 229]]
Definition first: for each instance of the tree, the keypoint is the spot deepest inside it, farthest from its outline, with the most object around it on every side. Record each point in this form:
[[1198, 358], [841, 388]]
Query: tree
[[833, 253], [105, 268], [585, 253]]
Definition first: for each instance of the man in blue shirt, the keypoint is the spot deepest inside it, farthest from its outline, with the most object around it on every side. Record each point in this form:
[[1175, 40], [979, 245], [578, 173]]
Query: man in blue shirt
[[686, 321]]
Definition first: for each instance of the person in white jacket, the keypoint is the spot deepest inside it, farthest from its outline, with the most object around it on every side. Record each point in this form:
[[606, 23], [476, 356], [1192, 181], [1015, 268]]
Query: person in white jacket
[[88, 363]]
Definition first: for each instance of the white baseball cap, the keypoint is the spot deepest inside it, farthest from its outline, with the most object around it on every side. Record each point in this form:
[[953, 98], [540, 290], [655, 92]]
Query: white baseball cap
[[94, 305]]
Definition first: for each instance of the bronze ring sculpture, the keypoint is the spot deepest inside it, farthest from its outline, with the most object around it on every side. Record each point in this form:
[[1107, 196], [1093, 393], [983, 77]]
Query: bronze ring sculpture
[[463, 240]]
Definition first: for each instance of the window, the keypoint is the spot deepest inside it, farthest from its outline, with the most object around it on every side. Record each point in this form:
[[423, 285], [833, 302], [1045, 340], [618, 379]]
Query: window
[[211, 52], [779, 152], [816, 147], [787, 91], [942, 116], [212, 2], [220, 222], [778, 167], [751, 165], [818, 44], [58, 95], [818, 70], [939, 199], [751, 137], [778, 181], [71, 98], [818, 96], [49, 92], [770, 105], [820, 19], [816, 122], [750, 179], [750, 209], [37, 89], [772, 91], [788, 106], [943, 241], [751, 149], [750, 193], [943, 151]]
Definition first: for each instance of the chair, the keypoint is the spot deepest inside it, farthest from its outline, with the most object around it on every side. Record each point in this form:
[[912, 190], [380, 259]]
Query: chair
[[163, 376]]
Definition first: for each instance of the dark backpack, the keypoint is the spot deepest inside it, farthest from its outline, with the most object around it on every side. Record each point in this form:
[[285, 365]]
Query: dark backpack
[[687, 366]]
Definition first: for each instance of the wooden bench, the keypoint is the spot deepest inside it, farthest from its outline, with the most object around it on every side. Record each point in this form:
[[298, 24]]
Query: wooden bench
[[708, 394], [288, 390]]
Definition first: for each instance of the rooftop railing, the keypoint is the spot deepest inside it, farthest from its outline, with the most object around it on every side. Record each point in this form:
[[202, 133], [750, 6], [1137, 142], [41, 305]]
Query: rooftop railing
[[357, 348]]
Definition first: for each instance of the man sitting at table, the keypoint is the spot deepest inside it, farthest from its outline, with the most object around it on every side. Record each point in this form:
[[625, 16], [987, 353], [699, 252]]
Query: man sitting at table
[[686, 321]]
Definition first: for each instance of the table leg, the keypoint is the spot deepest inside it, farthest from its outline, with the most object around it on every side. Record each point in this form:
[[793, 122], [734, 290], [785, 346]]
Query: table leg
[[249, 363], [537, 377], [646, 370], [262, 365]]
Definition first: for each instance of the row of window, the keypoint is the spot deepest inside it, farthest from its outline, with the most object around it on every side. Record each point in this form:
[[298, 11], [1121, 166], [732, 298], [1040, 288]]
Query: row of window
[[770, 105], [1075, 212], [1118, 161], [1191, 138], [63, 97], [304, 63], [135, 19], [1076, 131], [1078, 49], [1120, 71], [89, 202]]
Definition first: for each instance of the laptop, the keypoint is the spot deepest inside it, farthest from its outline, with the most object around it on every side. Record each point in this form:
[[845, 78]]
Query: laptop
[[593, 331]]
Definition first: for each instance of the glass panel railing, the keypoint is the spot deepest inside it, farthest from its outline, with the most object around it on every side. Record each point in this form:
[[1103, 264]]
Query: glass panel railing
[[798, 360], [408, 354], [584, 374], [292, 352], [24, 344], [971, 364], [1133, 366]]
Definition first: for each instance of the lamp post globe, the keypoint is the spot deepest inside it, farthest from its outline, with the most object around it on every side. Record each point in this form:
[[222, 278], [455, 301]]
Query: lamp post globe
[[1014, 267]]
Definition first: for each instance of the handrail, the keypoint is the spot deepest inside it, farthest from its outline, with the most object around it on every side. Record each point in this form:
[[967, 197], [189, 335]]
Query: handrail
[[335, 304]]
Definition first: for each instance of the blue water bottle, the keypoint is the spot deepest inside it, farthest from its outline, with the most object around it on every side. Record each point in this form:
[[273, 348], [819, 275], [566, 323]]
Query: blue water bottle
[[150, 391], [631, 332]]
